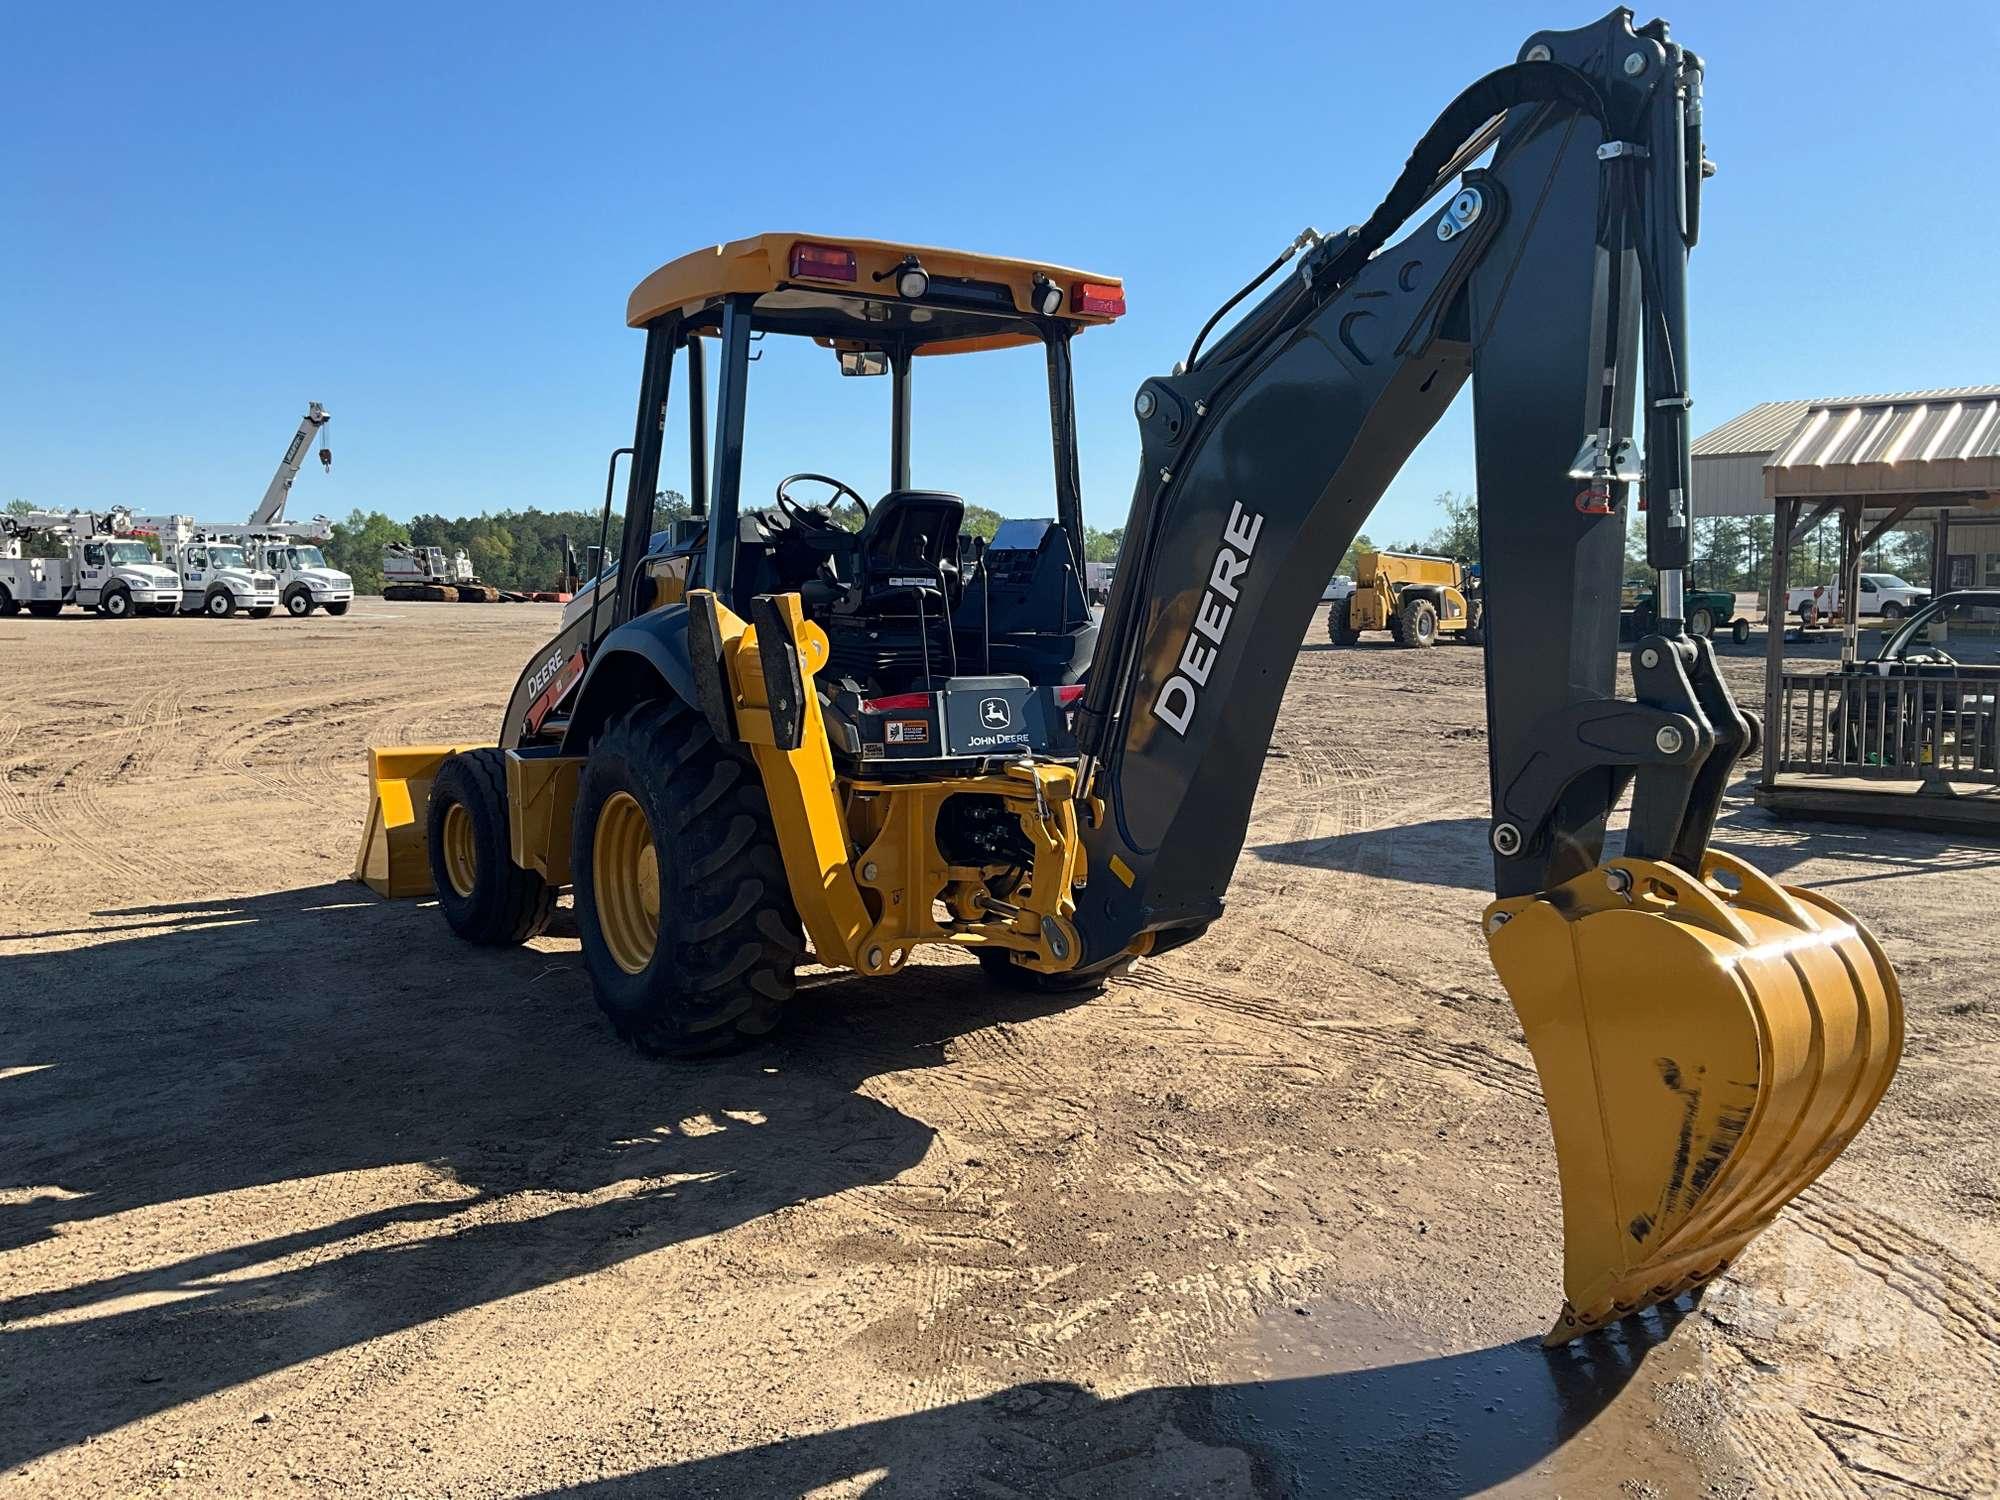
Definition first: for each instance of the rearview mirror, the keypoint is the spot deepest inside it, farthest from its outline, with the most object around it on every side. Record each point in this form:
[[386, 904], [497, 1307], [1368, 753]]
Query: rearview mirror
[[863, 362]]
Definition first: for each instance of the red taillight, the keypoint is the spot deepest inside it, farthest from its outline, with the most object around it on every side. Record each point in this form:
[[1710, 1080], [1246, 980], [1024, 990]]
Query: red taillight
[[895, 703], [823, 262], [1070, 694], [1098, 299]]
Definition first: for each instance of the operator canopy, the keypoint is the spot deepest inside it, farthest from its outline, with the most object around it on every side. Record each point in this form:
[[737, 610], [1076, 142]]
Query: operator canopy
[[855, 293]]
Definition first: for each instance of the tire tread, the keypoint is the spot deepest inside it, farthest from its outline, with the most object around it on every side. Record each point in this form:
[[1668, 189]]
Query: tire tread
[[726, 967]]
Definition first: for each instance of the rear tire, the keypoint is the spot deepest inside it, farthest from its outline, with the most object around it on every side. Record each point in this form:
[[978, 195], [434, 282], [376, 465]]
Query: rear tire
[[1002, 971], [1340, 626], [44, 609], [1420, 624], [9, 605], [487, 898], [688, 927], [1701, 624], [1809, 614], [1740, 632]]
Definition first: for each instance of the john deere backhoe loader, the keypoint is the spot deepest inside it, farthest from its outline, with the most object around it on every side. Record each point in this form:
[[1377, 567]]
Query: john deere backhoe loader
[[763, 728]]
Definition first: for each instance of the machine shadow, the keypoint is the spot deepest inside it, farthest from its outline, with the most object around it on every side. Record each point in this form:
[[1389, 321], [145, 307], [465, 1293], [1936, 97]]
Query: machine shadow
[[1448, 852], [1452, 852], [1451, 1425], [476, 1129], [1776, 846]]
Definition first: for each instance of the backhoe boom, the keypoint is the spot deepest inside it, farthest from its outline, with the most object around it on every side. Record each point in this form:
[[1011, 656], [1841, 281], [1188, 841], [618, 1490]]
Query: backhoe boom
[[1287, 433], [1707, 1041]]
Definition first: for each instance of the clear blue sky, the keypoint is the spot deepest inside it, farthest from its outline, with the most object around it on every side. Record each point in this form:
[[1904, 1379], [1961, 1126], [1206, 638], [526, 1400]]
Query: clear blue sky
[[428, 217]]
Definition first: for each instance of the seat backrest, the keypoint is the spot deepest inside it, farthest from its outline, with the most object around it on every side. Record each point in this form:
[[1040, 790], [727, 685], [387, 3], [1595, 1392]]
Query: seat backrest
[[911, 531]]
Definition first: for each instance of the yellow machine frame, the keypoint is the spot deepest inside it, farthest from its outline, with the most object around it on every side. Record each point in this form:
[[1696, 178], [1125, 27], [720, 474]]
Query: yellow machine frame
[[861, 852], [1379, 575]]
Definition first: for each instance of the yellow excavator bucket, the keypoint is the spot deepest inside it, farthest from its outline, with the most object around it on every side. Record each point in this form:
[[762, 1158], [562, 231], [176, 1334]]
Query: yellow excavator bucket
[[1706, 1047], [394, 860]]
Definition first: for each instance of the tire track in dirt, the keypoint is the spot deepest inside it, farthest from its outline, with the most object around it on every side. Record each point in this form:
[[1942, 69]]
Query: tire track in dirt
[[1946, 1287], [65, 811]]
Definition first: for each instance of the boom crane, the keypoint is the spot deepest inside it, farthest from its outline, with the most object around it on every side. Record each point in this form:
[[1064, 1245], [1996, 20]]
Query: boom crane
[[773, 692], [272, 507]]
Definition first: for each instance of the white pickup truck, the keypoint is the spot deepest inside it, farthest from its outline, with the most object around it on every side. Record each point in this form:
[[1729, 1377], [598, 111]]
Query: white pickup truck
[[1882, 594]]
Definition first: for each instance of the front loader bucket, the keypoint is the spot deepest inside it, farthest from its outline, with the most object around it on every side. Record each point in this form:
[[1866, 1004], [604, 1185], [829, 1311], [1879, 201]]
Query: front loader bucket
[[395, 860], [1706, 1048]]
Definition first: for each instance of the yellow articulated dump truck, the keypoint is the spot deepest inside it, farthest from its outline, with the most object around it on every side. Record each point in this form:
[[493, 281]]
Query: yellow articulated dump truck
[[1414, 597], [763, 732]]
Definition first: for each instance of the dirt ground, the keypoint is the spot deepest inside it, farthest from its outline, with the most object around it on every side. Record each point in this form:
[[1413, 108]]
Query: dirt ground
[[298, 1195]]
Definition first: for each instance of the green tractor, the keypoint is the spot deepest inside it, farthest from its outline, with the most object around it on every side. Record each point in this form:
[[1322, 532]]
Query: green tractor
[[1708, 610]]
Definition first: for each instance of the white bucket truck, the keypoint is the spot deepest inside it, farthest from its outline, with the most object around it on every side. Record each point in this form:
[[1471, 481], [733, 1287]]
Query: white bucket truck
[[99, 569], [217, 577]]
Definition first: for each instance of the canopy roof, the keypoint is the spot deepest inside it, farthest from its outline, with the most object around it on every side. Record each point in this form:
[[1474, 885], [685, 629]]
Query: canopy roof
[[1927, 442], [973, 301]]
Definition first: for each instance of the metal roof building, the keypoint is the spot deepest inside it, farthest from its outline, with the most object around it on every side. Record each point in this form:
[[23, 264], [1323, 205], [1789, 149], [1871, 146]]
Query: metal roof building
[[1895, 445], [1869, 463]]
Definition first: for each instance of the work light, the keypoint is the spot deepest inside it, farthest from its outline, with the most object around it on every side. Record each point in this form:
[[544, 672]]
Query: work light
[[912, 280]]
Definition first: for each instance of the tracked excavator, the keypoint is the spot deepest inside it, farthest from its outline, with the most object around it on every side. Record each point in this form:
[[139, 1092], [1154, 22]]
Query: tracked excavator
[[762, 728]]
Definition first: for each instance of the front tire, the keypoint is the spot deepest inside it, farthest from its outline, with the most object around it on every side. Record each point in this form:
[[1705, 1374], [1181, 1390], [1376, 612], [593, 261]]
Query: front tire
[[1892, 612], [1340, 626], [219, 605], [337, 609], [1809, 614], [261, 613], [1420, 624], [115, 604], [487, 898], [298, 604], [682, 904]]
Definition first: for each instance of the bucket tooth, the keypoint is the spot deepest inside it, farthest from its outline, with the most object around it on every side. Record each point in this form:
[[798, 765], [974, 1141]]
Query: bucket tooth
[[1706, 1047]]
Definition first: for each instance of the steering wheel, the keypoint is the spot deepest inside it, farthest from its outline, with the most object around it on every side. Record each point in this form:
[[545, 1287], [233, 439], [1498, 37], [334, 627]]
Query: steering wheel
[[819, 516]]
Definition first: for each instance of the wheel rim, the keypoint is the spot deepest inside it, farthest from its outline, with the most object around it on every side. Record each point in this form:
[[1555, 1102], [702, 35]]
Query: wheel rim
[[296, 604], [218, 605], [626, 873], [461, 855], [115, 606]]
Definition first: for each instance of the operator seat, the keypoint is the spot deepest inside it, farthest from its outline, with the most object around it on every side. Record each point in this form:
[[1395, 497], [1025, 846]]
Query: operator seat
[[909, 534], [888, 623]]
